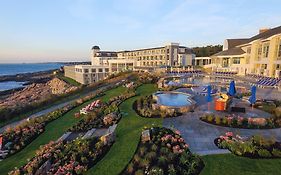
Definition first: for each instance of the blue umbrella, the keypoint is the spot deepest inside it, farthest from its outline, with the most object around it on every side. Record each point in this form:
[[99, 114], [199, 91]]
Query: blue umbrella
[[209, 90], [232, 89], [252, 98]]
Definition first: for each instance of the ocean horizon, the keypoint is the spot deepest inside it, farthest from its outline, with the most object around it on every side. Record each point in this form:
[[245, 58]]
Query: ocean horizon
[[20, 68]]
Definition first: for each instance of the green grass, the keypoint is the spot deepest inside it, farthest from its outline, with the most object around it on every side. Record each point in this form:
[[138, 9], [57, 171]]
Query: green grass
[[128, 135], [79, 94], [53, 131], [233, 165]]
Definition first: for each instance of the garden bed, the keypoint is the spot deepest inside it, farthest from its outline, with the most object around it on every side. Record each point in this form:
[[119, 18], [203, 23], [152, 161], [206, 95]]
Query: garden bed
[[104, 116], [162, 151], [242, 122], [143, 107], [254, 147], [15, 139], [74, 157]]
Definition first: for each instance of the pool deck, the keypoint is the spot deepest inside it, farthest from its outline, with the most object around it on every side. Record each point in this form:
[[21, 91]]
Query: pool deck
[[200, 135]]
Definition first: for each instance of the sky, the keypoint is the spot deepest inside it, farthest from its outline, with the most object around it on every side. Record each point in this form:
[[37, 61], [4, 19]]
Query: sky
[[65, 30]]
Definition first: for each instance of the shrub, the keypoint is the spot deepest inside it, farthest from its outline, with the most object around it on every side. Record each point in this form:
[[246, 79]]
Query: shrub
[[218, 120], [162, 161], [144, 163], [142, 151], [210, 118], [224, 121], [171, 170], [156, 171], [264, 153], [150, 156], [137, 159], [139, 172], [276, 152], [130, 168]]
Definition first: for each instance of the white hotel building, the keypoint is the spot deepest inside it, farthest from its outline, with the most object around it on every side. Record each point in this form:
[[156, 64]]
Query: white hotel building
[[104, 63]]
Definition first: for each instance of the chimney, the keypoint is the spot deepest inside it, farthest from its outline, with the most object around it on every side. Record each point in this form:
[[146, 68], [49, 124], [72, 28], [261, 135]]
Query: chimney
[[263, 30]]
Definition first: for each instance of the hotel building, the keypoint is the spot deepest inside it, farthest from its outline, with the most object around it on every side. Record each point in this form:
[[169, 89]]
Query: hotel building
[[260, 54], [104, 63]]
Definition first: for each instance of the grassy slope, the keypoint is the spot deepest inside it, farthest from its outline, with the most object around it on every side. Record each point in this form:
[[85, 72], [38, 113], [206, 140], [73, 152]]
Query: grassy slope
[[68, 80], [128, 135], [233, 165], [53, 131], [65, 99]]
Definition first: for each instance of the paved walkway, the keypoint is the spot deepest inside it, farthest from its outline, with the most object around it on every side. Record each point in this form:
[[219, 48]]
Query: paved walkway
[[200, 135]]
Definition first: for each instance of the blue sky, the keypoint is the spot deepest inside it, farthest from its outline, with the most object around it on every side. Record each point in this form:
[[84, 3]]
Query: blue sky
[[61, 30]]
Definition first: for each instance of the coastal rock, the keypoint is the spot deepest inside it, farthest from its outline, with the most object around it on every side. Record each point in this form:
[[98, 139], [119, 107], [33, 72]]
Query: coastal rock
[[60, 87], [36, 92]]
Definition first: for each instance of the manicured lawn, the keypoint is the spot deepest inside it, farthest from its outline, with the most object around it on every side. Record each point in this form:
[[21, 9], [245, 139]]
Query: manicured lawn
[[233, 165], [128, 135], [53, 131]]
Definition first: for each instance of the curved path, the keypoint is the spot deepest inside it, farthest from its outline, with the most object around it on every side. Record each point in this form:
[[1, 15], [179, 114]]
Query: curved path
[[200, 135], [53, 108]]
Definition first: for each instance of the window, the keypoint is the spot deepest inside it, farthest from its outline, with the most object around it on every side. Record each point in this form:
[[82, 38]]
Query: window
[[106, 70], [100, 70], [259, 52], [93, 70], [278, 66], [265, 50], [86, 70], [236, 60], [279, 50]]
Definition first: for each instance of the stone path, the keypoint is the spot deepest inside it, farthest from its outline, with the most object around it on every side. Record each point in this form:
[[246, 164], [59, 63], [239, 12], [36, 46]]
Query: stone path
[[200, 135]]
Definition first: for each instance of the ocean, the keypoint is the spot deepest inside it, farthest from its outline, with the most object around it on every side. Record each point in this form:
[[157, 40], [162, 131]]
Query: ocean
[[13, 69]]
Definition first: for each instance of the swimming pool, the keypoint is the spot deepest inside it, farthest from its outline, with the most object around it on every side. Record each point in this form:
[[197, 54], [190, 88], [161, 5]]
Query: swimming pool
[[174, 99]]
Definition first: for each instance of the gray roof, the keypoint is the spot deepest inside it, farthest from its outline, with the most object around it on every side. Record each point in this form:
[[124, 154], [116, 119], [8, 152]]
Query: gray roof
[[267, 34], [232, 51], [232, 43], [95, 47], [235, 42]]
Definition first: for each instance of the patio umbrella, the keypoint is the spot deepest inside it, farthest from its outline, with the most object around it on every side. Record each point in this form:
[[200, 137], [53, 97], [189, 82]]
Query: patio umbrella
[[209, 90], [252, 98], [232, 89], [209, 97]]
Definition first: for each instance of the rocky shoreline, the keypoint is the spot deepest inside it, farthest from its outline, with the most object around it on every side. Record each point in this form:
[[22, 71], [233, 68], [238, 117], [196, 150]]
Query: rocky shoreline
[[28, 78], [34, 76], [36, 93]]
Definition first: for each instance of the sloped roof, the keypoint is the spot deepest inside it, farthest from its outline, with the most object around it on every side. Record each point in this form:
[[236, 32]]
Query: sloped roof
[[232, 51], [267, 34], [235, 42]]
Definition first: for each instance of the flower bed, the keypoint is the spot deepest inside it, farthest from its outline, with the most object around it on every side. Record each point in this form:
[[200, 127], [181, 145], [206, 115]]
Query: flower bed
[[241, 122], [255, 147], [20, 136], [23, 134], [143, 107], [58, 158], [104, 116], [163, 152]]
